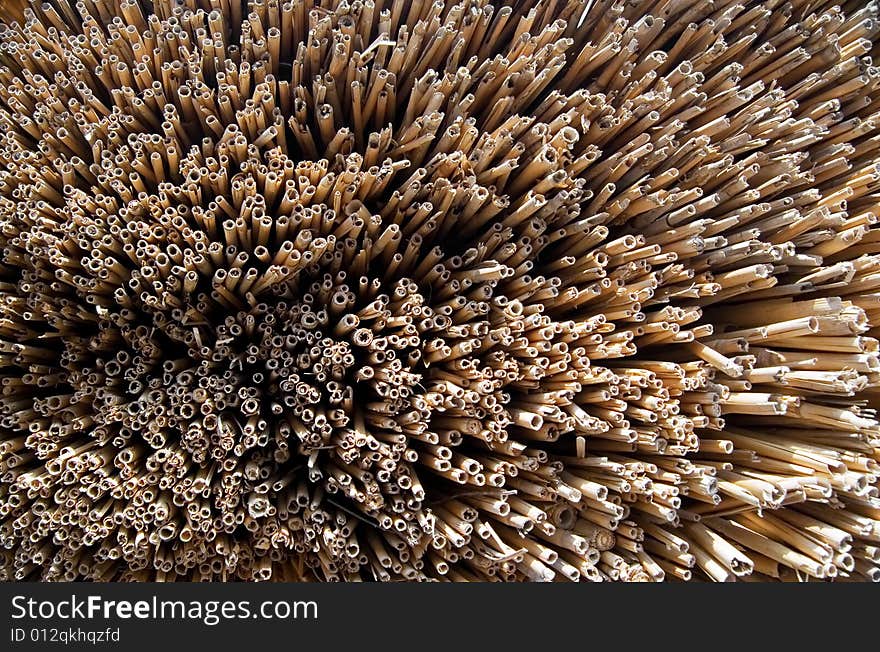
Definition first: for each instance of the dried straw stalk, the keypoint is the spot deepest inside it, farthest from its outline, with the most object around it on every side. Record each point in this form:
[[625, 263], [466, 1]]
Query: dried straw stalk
[[360, 290], [12, 9]]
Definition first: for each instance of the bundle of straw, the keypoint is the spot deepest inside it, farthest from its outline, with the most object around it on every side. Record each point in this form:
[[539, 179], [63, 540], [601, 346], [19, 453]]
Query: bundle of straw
[[368, 290]]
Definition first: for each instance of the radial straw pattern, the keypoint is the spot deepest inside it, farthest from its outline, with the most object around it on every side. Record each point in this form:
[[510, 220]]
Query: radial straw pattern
[[412, 290]]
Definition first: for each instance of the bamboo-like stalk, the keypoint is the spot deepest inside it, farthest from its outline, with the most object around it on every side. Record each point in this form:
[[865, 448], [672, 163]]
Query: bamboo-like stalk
[[323, 290]]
